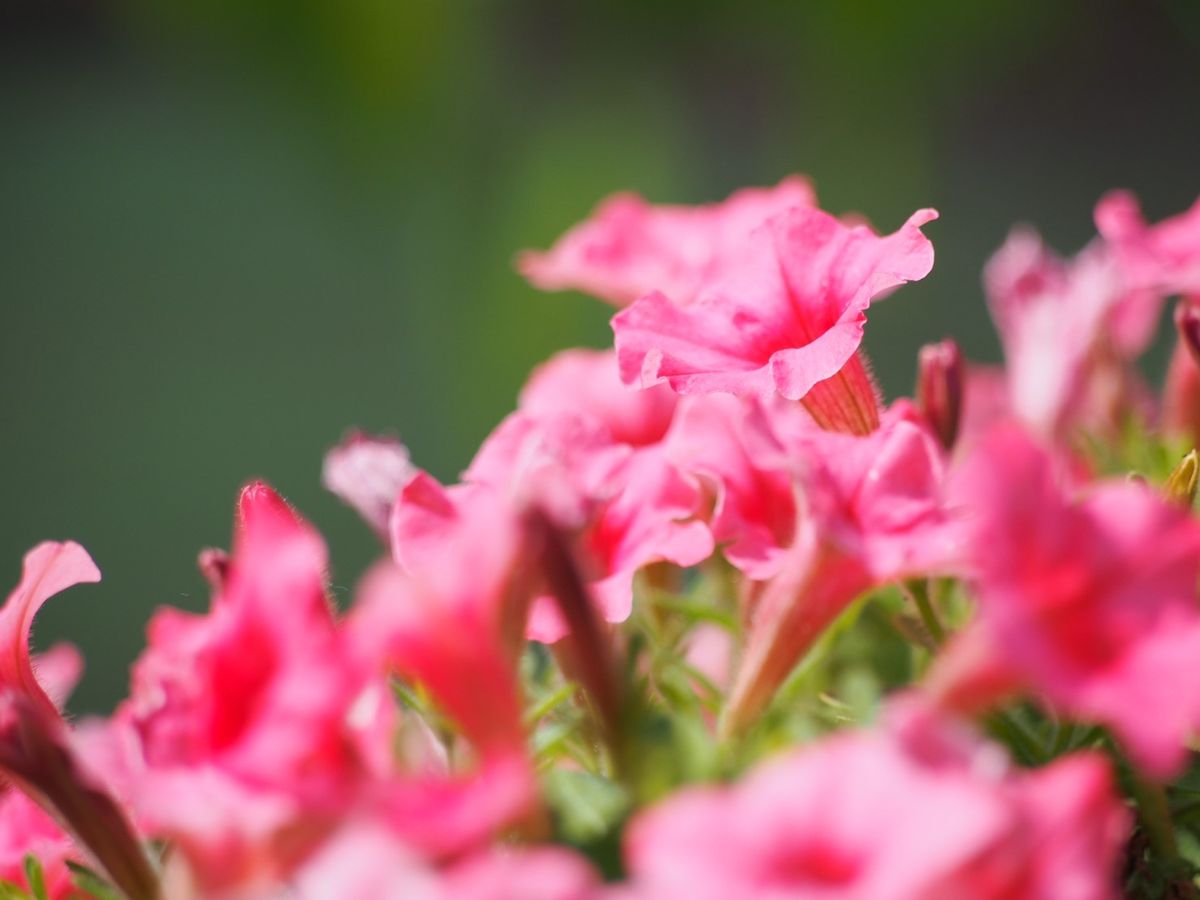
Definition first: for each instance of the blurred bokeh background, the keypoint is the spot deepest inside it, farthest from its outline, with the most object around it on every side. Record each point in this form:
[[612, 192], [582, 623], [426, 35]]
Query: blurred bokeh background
[[231, 229]]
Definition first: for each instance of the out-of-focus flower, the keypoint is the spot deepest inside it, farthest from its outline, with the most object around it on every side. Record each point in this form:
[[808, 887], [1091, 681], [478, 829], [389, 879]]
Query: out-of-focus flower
[[27, 830], [367, 473], [36, 747], [450, 612], [881, 816], [1163, 259], [244, 734], [1088, 600], [629, 248], [1066, 341], [601, 470], [787, 318], [870, 510], [365, 862]]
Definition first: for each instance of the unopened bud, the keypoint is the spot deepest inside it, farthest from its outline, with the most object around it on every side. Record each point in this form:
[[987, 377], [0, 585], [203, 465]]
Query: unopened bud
[[1181, 387], [1181, 483], [940, 380], [1187, 323]]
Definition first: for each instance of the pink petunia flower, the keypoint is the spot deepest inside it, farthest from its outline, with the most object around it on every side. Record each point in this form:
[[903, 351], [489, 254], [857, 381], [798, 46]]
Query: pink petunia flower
[[787, 318], [590, 451], [629, 248], [245, 735], [1087, 597], [1163, 258], [898, 814], [864, 511]]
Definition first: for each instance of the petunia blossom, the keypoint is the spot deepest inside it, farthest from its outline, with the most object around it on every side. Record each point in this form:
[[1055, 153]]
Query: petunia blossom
[[591, 452], [1163, 258], [628, 247], [883, 816], [787, 318], [246, 731], [1087, 599], [869, 510]]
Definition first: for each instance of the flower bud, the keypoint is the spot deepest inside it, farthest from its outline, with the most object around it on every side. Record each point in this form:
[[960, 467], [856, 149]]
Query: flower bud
[[1181, 483], [940, 379], [1181, 390]]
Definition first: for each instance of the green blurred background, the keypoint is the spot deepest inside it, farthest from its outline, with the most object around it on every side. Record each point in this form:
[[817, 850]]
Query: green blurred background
[[231, 229]]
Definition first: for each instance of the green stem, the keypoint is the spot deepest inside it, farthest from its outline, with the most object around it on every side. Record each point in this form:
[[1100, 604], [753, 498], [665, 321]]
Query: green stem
[[918, 589], [1155, 814]]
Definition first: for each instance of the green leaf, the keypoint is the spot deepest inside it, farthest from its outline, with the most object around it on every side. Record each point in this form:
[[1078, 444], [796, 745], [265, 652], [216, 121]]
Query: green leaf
[[586, 806], [91, 883], [36, 878]]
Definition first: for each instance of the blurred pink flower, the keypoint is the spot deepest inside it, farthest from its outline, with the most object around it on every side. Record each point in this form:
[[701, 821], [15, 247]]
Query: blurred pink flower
[[1163, 258], [367, 473], [1086, 597], [589, 451], [884, 816], [49, 568], [629, 247], [26, 830], [786, 318], [45, 681], [245, 733]]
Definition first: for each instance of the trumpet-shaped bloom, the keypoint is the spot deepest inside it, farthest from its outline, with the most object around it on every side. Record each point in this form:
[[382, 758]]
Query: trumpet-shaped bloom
[[788, 317], [49, 569], [45, 682], [629, 247], [246, 727], [1087, 600], [869, 510], [876, 815]]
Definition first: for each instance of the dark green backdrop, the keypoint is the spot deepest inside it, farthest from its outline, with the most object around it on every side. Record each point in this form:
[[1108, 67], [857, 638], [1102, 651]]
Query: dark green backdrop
[[230, 230]]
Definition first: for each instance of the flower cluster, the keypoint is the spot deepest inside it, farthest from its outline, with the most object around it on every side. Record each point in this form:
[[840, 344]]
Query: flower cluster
[[704, 616]]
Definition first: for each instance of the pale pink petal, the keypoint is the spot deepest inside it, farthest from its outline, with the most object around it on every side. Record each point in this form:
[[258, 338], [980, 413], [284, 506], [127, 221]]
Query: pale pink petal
[[367, 473], [629, 248]]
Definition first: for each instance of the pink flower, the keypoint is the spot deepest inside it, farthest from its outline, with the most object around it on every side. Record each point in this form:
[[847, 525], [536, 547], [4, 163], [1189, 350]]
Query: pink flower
[[588, 382], [886, 817], [1163, 259], [589, 451], [37, 755], [26, 830], [1087, 599], [49, 569], [367, 473], [753, 507], [536, 873], [869, 510], [1070, 330], [629, 248], [452, 614], [364, 862], [246, 730], [786, 318], [45, 682]]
